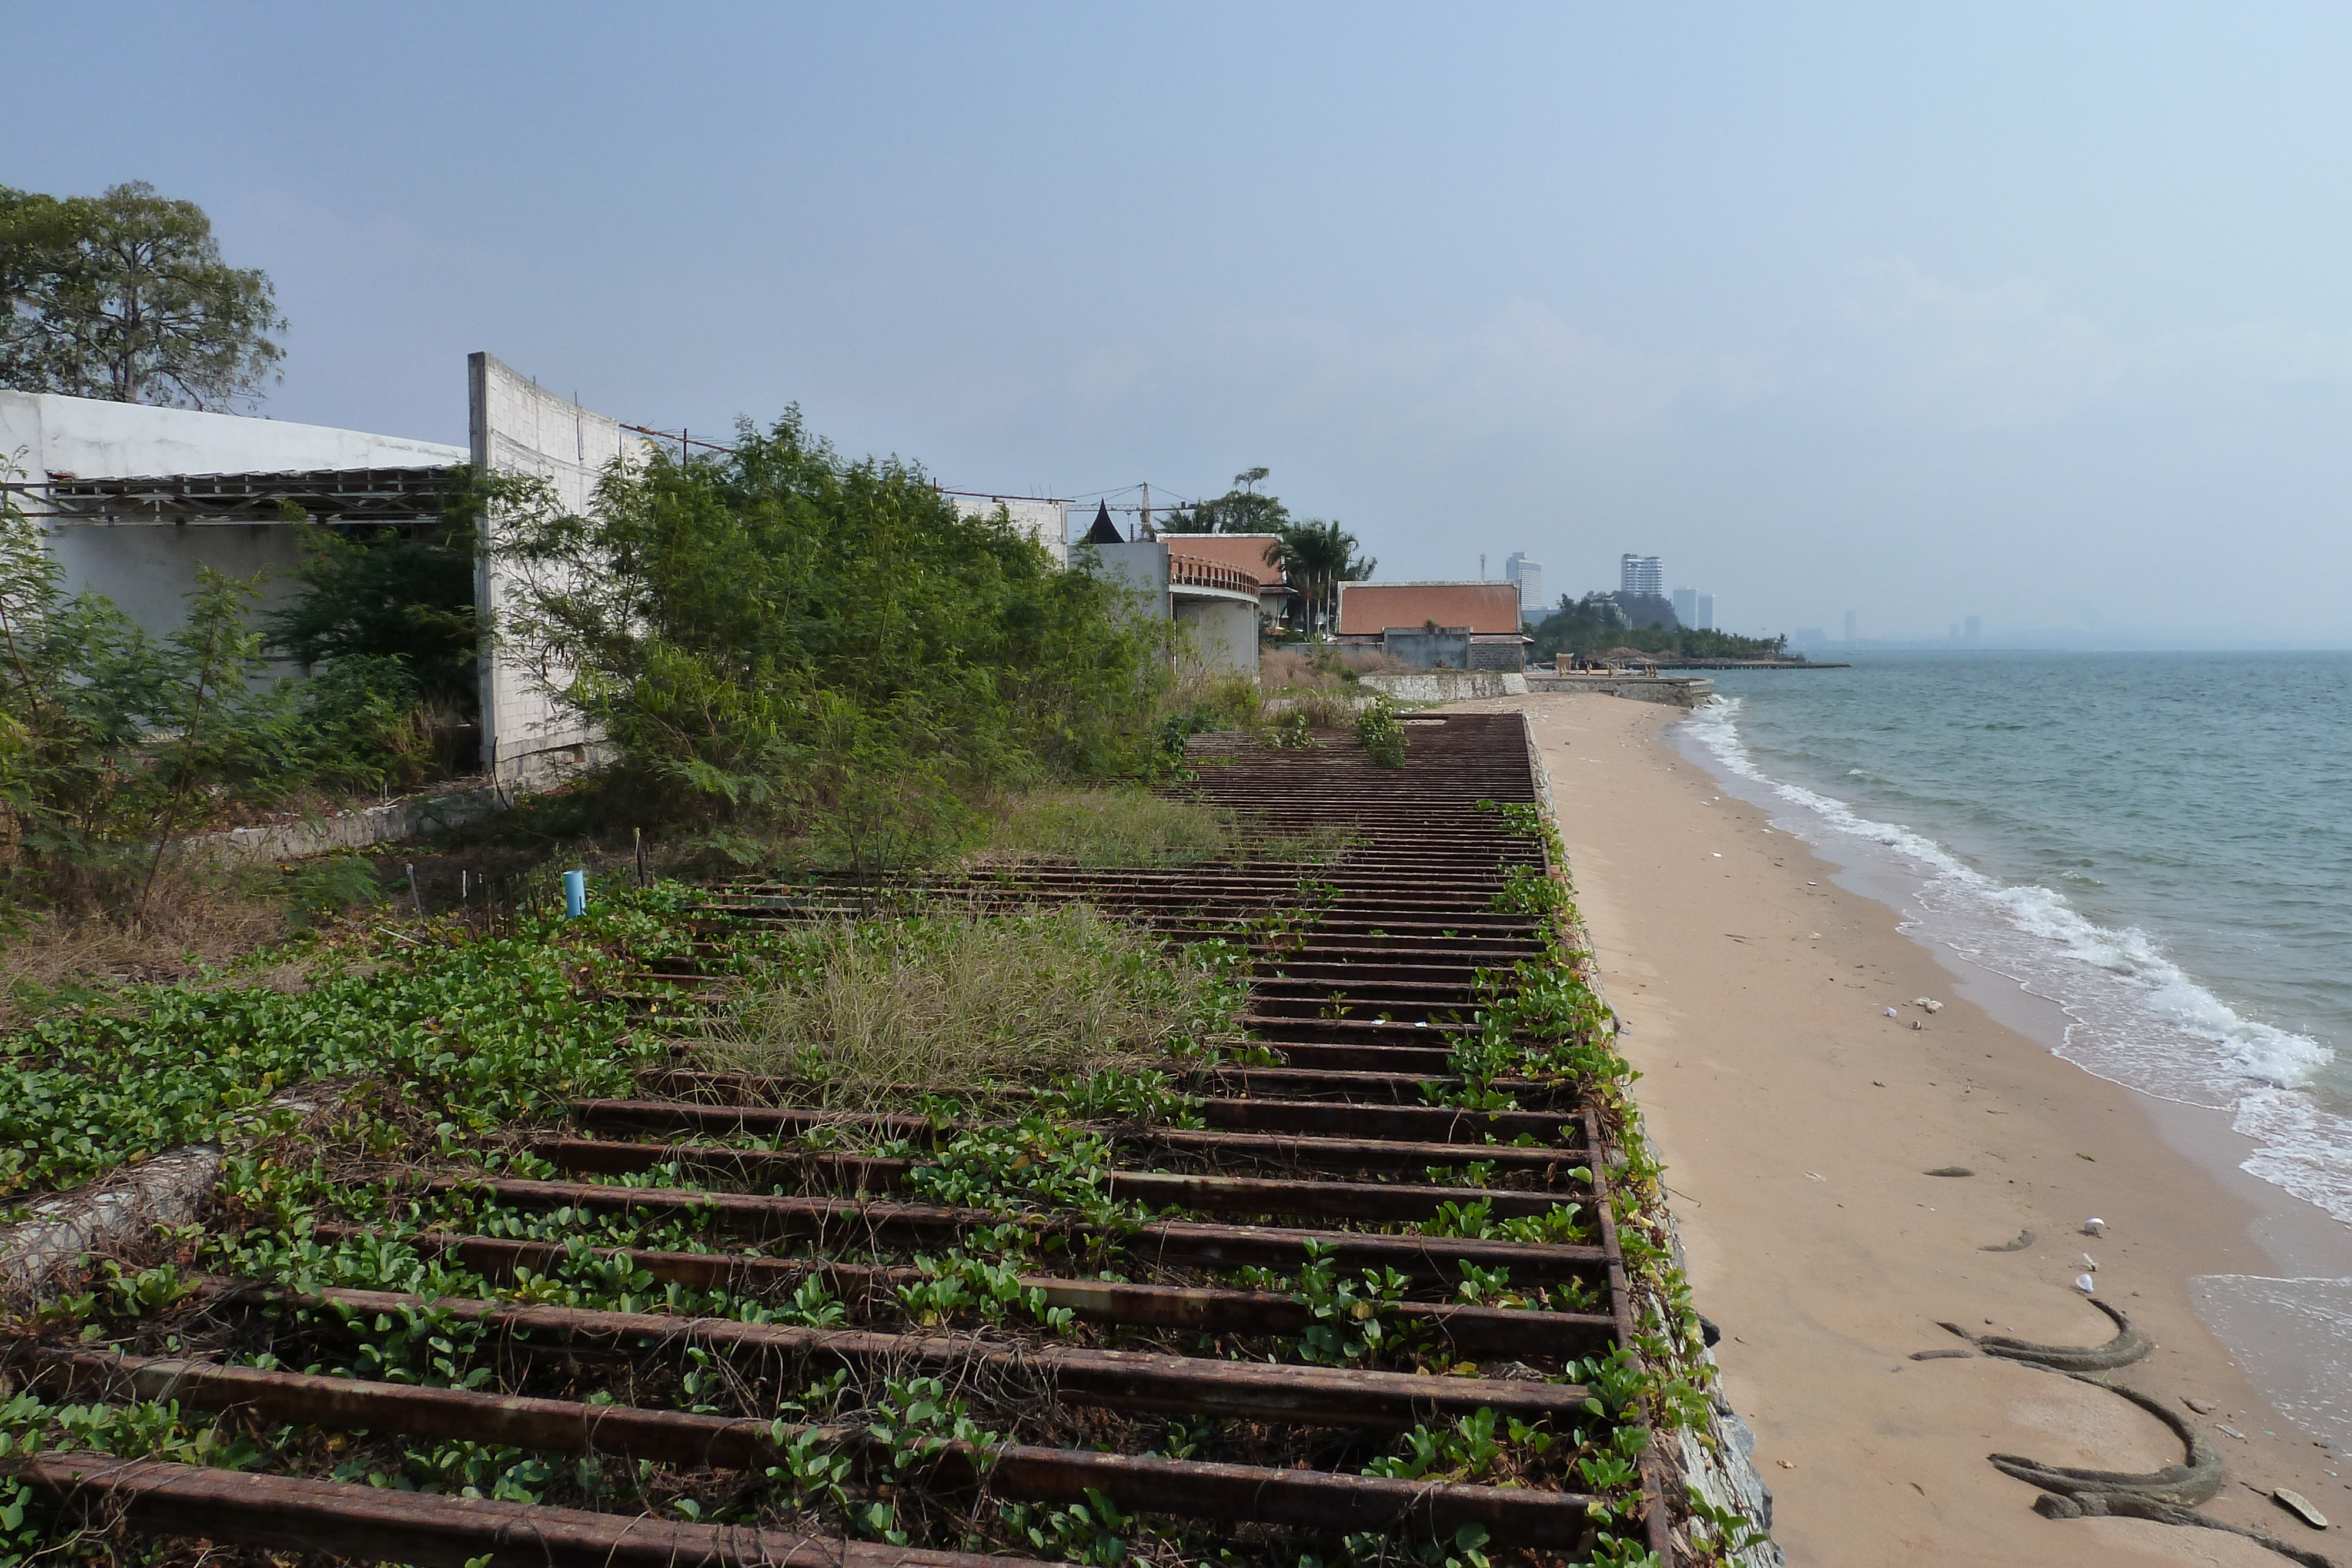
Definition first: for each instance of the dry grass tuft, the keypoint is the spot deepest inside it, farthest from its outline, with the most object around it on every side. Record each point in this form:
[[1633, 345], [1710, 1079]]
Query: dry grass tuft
[[188, 926], [1108, 827], [1129, 826], [956, 1000]]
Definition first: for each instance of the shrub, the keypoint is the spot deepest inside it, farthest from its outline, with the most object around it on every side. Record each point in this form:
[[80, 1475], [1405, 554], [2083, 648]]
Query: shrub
[[782, 644], [1381, 734]]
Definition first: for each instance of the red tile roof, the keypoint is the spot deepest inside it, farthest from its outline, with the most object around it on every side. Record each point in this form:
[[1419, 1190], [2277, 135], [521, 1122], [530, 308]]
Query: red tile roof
[[1367, 609]]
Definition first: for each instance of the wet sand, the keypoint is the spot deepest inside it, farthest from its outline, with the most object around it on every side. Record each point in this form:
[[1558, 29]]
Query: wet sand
[[1797, 1120]]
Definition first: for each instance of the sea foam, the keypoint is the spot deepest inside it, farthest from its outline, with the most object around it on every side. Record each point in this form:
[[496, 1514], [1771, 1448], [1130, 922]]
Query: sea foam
[[2133, 1015]]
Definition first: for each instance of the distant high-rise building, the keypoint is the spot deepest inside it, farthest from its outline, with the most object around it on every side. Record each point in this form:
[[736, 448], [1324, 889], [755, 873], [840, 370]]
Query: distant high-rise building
[[1529, 575], [1705, 621], [1849, 628], [1641, 574], [1975, 627], [1694, 608]]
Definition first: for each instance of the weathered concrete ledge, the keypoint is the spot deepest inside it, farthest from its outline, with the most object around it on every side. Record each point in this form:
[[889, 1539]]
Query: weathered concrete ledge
[[1446, 686], [1680, 691], [42, 1253], [395, 821]]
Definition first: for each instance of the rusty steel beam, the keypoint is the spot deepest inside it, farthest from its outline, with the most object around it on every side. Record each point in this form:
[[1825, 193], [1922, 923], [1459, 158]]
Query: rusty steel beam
[[1024, 1472], [662, 1117], [1520, 1332], [1110, 1379], [1422, 1123], [373, 1524], [1169, 1243], [1385, 1203]]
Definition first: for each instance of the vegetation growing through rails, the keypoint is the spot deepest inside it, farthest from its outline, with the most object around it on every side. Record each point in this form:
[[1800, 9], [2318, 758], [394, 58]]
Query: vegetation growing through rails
[[1118, 826], [1381, 733], [846, 1448], [956, 1000], [1289, 731], [485, 1029], [784, 645], [1545, 1022]]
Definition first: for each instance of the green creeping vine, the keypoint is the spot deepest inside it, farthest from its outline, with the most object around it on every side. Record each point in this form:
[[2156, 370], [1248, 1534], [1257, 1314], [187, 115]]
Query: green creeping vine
[[1546, 1022], [494, 1029]]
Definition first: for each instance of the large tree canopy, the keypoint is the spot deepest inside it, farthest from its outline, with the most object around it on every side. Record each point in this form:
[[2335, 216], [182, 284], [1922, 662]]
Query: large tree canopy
[[125, 295]]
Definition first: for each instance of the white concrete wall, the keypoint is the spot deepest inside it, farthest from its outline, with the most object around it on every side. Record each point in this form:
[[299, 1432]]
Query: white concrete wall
[[1142, 568], [1222, 634], [149, 569], [520, 428], [1047, 522]]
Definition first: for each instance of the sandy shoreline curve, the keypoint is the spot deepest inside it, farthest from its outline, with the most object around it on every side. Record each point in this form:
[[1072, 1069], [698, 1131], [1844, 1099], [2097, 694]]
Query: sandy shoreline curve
[[1799, 1121]]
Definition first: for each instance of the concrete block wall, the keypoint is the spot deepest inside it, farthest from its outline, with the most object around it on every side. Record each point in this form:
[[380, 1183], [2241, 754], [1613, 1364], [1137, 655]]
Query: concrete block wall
[[517, 427]]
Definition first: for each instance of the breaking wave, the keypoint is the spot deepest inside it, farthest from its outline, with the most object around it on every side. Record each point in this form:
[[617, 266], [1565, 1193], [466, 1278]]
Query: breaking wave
[[2133, 1015]]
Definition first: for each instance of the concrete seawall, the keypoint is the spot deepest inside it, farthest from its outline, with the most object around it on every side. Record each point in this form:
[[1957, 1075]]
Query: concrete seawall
[[1680, 691], [1448, 686]]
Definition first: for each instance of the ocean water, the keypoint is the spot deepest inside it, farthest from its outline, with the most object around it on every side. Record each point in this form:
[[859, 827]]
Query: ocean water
[[2159, 844]]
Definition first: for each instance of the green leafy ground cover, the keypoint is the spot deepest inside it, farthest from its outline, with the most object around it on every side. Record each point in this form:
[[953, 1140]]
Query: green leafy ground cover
[[489, 1028]]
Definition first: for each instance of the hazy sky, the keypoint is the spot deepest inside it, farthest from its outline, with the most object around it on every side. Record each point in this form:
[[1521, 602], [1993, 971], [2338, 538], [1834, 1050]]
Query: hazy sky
[[2038, 312]]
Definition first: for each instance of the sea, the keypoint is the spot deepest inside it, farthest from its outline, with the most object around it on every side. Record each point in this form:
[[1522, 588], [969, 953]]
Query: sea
[[2157, 844]]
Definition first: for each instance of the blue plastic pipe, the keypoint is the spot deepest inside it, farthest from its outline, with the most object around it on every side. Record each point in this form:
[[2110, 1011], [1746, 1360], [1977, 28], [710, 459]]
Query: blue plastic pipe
[[575, 894]]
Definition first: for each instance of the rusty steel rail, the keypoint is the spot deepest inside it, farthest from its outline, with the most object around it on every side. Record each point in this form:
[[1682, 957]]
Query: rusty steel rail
[[1027, 1473], [370, 1524], [1502, 1332], [1100, 1379]]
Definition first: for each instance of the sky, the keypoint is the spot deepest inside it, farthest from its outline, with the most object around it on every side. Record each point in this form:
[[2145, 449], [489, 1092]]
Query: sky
[[2037, 313]]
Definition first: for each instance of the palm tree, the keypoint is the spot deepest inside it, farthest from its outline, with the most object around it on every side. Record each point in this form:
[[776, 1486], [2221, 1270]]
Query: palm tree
[[1318, 557]]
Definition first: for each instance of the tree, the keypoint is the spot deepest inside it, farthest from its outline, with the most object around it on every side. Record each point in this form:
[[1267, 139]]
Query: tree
[[1318, 557], [1240, 510], [1599, 621], [125, 295]]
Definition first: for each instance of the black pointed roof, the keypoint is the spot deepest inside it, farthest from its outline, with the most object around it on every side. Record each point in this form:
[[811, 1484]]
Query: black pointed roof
[[1105, 531]]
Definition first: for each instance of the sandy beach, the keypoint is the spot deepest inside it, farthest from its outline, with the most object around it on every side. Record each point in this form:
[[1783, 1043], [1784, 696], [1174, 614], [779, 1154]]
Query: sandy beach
[[1798, 1123]]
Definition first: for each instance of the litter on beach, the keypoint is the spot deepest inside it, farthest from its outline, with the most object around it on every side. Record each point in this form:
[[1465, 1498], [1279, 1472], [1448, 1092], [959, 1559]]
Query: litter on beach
[[2094, 1226], [1890, 1012], [2085, 1284]]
